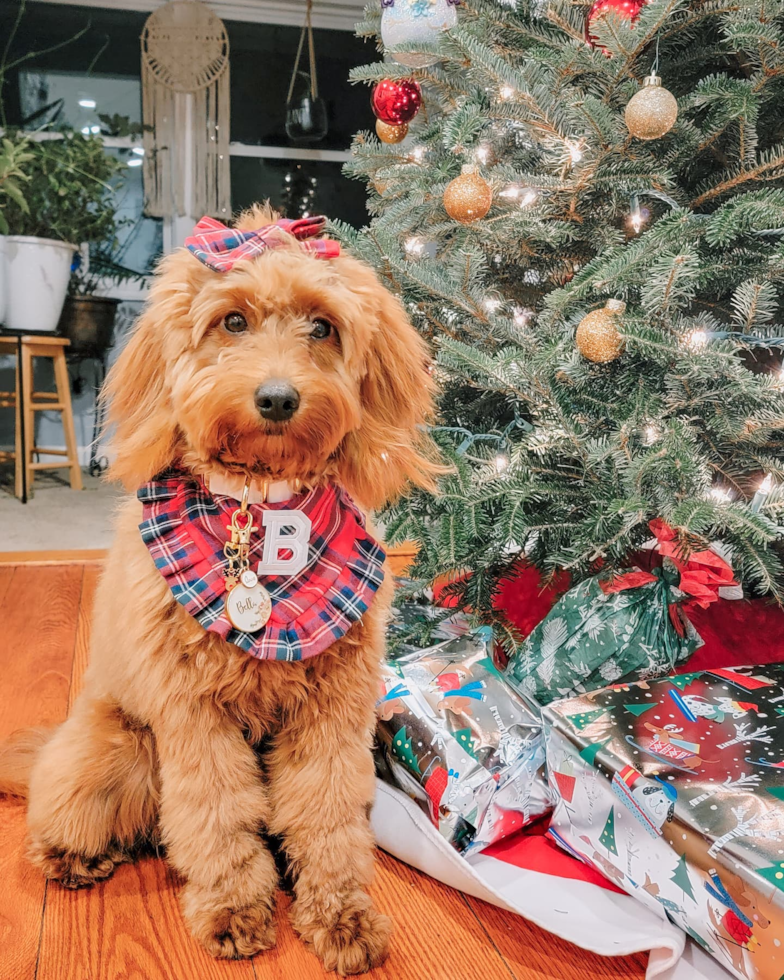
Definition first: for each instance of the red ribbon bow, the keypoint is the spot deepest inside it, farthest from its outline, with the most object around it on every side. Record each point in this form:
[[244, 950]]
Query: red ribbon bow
[[221, 248], [701, 576]]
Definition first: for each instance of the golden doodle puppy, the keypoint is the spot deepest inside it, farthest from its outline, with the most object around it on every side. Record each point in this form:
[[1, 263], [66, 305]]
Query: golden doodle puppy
[[239, 623]]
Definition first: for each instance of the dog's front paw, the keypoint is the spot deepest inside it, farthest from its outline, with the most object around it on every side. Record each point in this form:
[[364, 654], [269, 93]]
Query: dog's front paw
[[225, 931], [71, 869], [353, 941]]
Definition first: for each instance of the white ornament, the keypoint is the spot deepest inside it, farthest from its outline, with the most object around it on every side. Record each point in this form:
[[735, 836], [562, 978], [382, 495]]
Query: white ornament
[[409, 21], [296, 540]]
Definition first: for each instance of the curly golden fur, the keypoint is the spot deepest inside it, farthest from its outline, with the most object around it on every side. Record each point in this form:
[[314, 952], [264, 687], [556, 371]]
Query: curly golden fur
[[163, 743]]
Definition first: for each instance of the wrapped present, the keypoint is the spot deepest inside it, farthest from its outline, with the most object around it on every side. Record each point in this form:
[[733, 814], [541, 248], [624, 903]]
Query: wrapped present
[[632, 625], [674, 789], [459, 740]]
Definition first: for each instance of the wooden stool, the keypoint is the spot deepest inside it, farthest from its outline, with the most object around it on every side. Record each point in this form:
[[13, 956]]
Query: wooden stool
[[39, 401]]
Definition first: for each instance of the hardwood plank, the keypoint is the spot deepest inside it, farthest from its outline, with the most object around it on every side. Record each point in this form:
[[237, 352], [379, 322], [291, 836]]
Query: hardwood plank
[[6, 574], [52, 557], [38, 611], [84, 623], [39, 618], [128, 928], [436, 936], [533, 954], [21, 898]]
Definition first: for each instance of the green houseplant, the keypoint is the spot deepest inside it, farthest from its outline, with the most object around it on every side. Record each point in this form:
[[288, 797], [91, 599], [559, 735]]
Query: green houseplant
[[14, 156], [69, 199]]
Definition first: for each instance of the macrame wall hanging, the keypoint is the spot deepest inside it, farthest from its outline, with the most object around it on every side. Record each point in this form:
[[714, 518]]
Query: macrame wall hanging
[[185, 110]]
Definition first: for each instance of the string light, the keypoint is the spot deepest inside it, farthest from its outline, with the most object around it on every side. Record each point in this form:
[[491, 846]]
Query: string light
[[414, 245], [651, 433], [696, 339], [638, 215], [761, 495], [501, 463], [482, 154], [417, 154], [491, 304], [522, 316], [575, 149], [506, 92], [721, 495]]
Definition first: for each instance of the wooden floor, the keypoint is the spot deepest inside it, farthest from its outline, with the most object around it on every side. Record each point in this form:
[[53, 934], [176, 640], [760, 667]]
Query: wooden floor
[[130, 927]]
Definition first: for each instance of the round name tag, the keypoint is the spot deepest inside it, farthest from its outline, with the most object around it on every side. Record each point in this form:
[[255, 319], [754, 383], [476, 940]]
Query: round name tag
[[248, 605]]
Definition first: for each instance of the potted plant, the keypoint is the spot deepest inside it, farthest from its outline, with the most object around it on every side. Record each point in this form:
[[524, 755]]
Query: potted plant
[[88, 318], [13, 158], [69, 200]]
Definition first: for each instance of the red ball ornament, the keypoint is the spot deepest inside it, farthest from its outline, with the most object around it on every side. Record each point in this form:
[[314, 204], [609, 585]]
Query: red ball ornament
[[396, 103], [629, 9]]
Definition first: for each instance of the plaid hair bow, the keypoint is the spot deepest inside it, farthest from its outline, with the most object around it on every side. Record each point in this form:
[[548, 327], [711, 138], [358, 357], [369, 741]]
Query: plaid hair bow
[[221, 248]]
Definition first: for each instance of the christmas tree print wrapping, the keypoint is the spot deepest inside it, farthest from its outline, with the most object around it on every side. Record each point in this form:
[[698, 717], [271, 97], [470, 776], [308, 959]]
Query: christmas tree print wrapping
[[674, 789], [454, 736], [593, 637]]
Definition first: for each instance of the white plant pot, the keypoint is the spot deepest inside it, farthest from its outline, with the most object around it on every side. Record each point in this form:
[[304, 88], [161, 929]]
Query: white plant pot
[[38, 270], [3, 281]]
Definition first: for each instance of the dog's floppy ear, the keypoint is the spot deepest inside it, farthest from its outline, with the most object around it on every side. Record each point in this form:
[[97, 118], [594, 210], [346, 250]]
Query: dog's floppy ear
[[391, 447], [144, 438]]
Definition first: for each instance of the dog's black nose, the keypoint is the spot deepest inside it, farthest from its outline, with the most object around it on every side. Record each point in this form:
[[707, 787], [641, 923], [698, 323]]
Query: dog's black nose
[[277, 399]]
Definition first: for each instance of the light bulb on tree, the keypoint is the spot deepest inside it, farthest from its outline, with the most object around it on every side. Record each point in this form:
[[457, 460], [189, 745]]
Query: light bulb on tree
[[417, 154], [651, 434], [414, 245], [637, 215], [721, 495], [482, 154], [522, 316], [501, 463], [491, 304], [506, 92], [761, 495], [575, 150], [696, 340]]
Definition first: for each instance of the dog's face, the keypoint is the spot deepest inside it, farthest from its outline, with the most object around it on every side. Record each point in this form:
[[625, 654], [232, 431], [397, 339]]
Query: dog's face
[[286, 367]]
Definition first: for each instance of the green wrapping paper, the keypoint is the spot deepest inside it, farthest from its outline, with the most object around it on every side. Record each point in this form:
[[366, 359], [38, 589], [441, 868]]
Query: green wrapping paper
[[674, 790], [591, 638]]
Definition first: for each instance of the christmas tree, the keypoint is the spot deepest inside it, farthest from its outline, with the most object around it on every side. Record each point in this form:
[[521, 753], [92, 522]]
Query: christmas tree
[[401, 747], [680, 877], [607, 837], [543, 177]]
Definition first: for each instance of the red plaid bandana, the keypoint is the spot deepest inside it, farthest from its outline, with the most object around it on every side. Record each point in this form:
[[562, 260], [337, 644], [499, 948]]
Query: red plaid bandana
[[184, 528], [221, 248]]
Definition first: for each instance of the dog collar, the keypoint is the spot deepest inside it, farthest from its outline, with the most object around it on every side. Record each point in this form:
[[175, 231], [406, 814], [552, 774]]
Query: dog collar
[[261, 491], [184, 529]]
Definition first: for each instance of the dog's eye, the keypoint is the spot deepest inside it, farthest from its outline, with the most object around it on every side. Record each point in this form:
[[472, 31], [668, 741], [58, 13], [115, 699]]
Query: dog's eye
[[321, 329], [235, 323]]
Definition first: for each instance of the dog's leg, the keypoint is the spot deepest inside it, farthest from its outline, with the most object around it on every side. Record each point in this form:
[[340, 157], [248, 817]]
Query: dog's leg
[[93, 794], [322, 785], [213, 805]]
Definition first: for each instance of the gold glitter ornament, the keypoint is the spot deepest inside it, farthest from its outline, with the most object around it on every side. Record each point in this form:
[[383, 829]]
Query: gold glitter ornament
[[597, 336], [468, 197], [651, 112], [389, 133]]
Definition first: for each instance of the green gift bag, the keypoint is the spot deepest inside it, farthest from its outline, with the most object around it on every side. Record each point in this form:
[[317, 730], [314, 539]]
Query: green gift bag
[[602, 631]]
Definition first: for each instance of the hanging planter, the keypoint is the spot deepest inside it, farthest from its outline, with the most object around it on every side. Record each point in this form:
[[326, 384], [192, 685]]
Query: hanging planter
[[306, 115]]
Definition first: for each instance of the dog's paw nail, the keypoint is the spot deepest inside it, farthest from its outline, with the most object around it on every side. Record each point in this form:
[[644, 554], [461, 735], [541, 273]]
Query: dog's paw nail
[[235, 933], [356, 943]]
